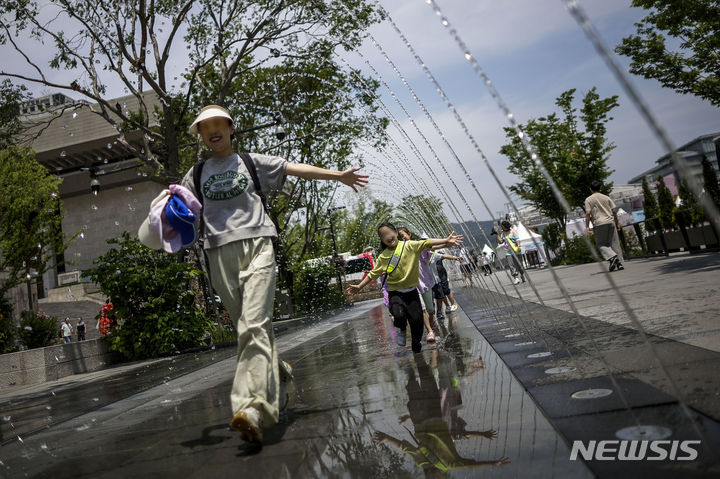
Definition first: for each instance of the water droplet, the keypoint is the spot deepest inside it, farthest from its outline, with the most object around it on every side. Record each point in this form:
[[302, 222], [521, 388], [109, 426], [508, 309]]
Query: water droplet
[[63, 154]]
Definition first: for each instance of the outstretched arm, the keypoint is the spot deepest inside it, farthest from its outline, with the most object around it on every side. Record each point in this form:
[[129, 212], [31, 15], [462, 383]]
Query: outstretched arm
[[451, 240], [355, 288], [349, 177]]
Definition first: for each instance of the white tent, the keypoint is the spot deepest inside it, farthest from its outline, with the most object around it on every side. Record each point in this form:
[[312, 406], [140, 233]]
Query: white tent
[[530, 241]]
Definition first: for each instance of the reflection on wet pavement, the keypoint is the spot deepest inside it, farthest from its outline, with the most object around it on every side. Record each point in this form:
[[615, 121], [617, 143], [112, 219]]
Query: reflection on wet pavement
[[365, 407]]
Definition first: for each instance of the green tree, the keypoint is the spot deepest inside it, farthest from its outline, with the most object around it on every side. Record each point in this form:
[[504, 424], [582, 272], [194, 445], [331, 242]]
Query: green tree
[[689, 212], [38, 330], [30, 218], [687, 61], [572, 155], [666, 205], [143, 45], [358, 228], [650, 206], [11, 97], [154, 308], [710, 181], [423, 215], [552, 237], [7, 327]]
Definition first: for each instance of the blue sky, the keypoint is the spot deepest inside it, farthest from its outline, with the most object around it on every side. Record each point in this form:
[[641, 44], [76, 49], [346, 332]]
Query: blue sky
[[532, 50]]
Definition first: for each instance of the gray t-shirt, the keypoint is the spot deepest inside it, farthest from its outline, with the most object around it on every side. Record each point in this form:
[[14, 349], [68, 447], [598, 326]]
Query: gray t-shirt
[[232, 210], [601, 209]]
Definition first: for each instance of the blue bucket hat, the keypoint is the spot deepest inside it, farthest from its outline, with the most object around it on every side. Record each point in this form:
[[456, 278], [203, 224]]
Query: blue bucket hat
[[182, 220]]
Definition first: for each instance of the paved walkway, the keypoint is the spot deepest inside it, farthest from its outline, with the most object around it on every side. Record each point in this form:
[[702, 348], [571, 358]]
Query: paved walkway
[[364, 406], [676, 297]]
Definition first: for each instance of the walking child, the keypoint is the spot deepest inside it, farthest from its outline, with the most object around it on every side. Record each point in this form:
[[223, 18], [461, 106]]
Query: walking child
[[426, 282], [238, 242], [399, 262]]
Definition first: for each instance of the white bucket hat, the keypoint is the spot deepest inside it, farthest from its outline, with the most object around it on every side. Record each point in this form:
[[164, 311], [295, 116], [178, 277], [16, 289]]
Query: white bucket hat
[[210, 111]]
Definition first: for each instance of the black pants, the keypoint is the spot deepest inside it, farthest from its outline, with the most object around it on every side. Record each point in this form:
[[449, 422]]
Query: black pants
[[406, 308]]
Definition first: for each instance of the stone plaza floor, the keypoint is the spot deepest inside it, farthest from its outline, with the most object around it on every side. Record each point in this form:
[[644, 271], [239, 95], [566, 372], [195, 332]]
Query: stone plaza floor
[[486, 400], [354, 386]]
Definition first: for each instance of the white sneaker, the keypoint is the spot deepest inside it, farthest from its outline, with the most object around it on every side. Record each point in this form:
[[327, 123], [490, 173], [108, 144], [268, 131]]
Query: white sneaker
[[516, 281], [453, 307]]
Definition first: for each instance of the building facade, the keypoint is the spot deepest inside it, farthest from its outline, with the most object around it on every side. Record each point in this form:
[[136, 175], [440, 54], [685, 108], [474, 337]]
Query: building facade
[[74, 142], [693, 153]]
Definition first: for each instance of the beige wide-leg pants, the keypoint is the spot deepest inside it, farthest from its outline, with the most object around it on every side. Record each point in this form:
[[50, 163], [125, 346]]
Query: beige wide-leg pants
[[243, 274]]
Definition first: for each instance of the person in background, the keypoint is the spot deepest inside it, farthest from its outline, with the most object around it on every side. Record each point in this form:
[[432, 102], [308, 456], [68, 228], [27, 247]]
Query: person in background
[[67, 331], [80, 328], [509, 238], [601, 210]]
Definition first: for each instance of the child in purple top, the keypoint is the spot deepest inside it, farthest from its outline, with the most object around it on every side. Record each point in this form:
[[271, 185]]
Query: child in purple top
[[426, 281]]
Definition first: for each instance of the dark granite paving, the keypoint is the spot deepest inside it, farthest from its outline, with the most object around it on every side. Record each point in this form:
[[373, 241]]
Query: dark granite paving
[[365, 408], [535, 341]]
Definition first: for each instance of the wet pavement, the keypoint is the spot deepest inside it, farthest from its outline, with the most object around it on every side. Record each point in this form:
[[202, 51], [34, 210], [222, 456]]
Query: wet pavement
[[625, 380], [365, 408]]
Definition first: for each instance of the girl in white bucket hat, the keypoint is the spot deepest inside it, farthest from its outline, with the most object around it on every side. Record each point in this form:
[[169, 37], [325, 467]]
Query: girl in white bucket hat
[[238, 241]]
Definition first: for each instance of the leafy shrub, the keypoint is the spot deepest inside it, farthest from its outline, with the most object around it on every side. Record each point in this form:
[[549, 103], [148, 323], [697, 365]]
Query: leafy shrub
[[312, 290], [7, 327], [552, 238], [574, 251], [38, 330], [153, 305], [223, 333]]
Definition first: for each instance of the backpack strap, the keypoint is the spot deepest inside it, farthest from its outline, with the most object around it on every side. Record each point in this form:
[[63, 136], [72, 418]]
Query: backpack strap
[[250, 165], [394, 260], [197, 175]]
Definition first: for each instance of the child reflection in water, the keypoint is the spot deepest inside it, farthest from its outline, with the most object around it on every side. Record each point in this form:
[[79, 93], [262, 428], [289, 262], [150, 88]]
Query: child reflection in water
[[434, 449]]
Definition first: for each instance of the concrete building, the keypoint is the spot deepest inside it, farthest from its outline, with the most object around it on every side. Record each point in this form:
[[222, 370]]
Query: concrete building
[[693, 152], [78, 145]]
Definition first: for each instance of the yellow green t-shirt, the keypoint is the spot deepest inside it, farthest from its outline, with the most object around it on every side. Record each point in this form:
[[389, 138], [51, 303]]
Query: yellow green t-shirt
[[406, 273]]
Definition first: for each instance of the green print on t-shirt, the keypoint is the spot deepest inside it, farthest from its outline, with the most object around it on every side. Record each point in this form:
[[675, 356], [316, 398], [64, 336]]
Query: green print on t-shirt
[[224, 186]]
